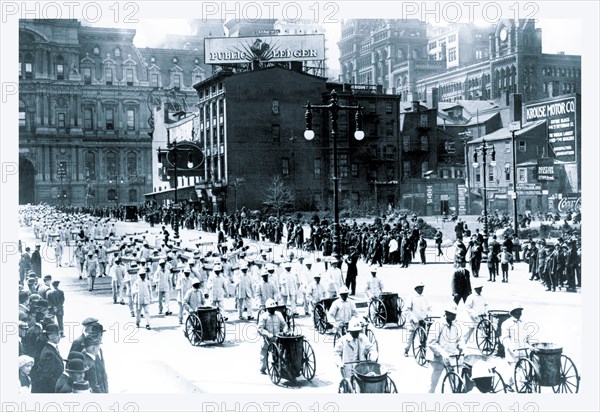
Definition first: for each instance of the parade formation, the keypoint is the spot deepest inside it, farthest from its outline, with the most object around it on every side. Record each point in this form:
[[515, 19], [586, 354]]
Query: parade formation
[[296, 296]]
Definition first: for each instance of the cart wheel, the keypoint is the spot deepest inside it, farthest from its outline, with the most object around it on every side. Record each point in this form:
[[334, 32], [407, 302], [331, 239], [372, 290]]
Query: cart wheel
[[569, 378], [486, 337], [220, 328], [289, 320], [525, 377], [377, 313], [274, 363], [401, 313], [320, 318], [344, 386], [498, 385], [419, 345], [452, 383], [390, 386], [309, 362], [193, 329], [371, 336], [260, 312]]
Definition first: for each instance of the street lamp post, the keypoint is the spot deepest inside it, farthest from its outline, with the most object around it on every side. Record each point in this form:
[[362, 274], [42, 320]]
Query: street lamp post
[[333, 108], [514, 173], [175, 150], [62, 172], [484, 148]]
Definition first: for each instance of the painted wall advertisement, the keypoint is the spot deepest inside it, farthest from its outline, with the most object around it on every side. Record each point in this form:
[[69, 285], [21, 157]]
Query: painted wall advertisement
[[429, 195], [570, 202], [560, 115], [228, 50], [462, 204]]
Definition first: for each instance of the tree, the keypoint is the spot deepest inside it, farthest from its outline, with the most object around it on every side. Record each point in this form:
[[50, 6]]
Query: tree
[[279, 195]]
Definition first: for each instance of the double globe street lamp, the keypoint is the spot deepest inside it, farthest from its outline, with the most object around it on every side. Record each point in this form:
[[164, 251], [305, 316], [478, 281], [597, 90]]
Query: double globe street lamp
[[484, 149], [333, 108], [169, 159]]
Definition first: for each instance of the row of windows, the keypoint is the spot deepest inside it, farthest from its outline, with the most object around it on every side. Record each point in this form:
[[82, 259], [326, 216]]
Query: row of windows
[[112, 165], [89, 120], [210, 91], [343, 169], [561, 71]]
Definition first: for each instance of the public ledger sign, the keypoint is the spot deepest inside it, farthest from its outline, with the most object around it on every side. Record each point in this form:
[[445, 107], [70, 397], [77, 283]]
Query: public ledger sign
[[561, 119], [229, 50]]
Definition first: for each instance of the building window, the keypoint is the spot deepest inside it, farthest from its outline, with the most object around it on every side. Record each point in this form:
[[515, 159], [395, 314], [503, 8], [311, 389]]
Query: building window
[[130, 119], [406, 168], [111, 165], [60, 71], [406, 143], [175, 60], [275, 106], [285, 167], [477, 174], [133, 197], [452, 38], [90, 166], [452, 54], [61, 121], [177, 82], [450, 146], [478, 54], [131, 164], [117, 52], [88, 123], [490, 172], [354, 169], [522, 145], [389, 107], [507, 172], [522, 175], [109, 114], [424, 168], [22, 115], [153, 80], [108, 76], [221, 104], [129, 77], [460, 174], [507, 147], [432, 45], [317, 167], [275, 133], [343, 165], [214, 109], [87, 75], [424, 143], [423, 120], [96, 51]]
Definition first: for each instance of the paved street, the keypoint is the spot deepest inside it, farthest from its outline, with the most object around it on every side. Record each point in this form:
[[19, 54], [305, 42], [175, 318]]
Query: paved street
[[134, 355]]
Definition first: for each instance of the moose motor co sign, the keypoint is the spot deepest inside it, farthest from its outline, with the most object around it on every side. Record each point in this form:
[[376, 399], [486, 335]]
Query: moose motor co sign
[[569, 203], [231, 50], [561, 118]]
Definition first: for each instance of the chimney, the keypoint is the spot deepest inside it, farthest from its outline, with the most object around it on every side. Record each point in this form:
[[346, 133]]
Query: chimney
[[516, 107], [415, 106], [434, 98]]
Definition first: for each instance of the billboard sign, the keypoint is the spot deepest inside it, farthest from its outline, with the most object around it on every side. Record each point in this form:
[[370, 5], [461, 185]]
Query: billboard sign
[[231, 50], [560, 116]]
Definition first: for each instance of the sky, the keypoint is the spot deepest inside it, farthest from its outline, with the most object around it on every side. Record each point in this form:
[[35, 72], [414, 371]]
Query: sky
[[557, 35]]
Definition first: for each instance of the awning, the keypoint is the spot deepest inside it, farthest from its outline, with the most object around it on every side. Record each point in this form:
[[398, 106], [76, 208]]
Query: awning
[[183, 193]]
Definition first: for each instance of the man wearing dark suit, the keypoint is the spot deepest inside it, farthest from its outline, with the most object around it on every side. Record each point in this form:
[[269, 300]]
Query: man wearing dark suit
[[36, 261], [96, 373], [494, 262], [77, 345], [352, 272], [75, 371], [48, 368], [56, 301]]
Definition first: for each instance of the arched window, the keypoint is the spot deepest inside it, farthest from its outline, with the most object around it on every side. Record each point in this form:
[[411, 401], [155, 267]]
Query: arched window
[[96, 51], [22, 115], [111, 195], [60, 68], [117, 52], [90, 166], [111, 165], [133, 197], [131, 164], [29, 66]]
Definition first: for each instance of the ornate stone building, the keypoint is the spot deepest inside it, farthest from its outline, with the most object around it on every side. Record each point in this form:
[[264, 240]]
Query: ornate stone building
[[84, 111]]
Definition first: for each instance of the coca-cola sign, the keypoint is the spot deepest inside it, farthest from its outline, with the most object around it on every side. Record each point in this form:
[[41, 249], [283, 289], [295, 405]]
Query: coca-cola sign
[[569, 203]]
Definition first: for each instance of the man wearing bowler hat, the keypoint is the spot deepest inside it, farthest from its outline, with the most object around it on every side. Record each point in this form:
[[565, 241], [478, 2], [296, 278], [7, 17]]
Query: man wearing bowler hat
[[49, 366], [74, 371], [445, 343], [96, 374], [417, 309]]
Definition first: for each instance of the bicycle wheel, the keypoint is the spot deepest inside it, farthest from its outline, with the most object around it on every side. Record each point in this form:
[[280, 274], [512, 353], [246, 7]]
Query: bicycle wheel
[[377, 313], [419, 345], [486, 337], [452, 383], [344, 386], [525, 377], [371, 336], [569, 377], [498, 384], [320, 318]]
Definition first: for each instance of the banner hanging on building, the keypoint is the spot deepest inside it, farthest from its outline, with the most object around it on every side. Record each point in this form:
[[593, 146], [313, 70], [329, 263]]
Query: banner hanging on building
[[231, 50], [561, 118]]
